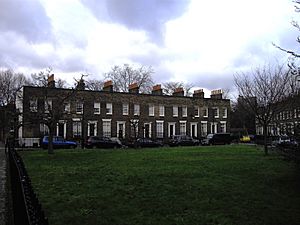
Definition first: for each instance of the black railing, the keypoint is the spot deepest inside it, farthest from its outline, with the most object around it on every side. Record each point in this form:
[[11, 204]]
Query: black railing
[[26, 207]]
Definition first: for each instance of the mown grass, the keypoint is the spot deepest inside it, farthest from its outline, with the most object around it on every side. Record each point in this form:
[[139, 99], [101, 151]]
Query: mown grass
[[166, 186]]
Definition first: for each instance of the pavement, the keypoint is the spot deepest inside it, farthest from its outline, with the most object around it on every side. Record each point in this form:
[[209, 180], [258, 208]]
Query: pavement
[[3, 193]]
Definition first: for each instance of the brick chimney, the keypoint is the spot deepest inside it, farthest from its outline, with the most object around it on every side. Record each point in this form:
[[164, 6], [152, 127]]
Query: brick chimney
[[51, 81], [134, 88], [198, 93], [216, 94], [157, 90], [108, 86], [178, 92]]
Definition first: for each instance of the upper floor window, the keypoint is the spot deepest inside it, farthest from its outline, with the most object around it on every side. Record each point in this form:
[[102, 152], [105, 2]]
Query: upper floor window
[[48, 105], [184, 111], [125, 109], [79, 107], [67, 107], [205, 112], [97, 108], [224, 112], [161, 110], [109, 108], [151, 110], [136, 110], [215, 112], [175, 111], [196, 111], [33, 105]]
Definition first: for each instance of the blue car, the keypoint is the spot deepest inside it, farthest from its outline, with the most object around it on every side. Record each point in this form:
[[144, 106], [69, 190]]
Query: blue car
[[58, 142]]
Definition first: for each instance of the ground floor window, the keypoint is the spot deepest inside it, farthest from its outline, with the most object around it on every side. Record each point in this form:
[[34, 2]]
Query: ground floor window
[[106, 127], [159, 129], [77, 129], [182, 126], [223, 127]]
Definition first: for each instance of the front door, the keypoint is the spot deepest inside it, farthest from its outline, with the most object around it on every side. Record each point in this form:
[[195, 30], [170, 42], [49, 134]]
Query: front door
[[61, 129], [92, 129], [147, 130]]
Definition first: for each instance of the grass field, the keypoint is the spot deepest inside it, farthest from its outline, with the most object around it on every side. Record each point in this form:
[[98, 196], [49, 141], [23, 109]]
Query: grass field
[[166, 186]]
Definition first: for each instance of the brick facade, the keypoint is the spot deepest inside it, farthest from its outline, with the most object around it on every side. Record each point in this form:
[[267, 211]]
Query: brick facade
[[123, 115]]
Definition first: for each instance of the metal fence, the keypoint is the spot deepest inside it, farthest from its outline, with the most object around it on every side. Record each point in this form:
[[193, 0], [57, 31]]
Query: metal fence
[[26, 207]]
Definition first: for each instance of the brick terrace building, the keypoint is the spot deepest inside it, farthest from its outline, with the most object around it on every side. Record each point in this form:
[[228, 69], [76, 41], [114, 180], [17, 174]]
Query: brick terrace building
[[123, 115]]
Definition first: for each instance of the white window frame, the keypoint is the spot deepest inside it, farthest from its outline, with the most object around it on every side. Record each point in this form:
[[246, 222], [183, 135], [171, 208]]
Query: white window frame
[[224, 112], [109, 108], [225, 126], [108, 132], [97, 108], [161, 110], [79, 108], [136, 110], [217, 114], [182, 131], [160, 133], [78, 129], [33, 105], [196, 111], [205, 109], [184, 111], [125, 109], [48, 105], [151, 110], [67, 107], [175, 111]]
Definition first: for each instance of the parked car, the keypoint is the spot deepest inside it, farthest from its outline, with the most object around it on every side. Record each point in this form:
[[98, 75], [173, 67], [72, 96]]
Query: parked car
[[147, 143], [58, 142], [102, 142], [183, 140], [285, 141], [217, 139]]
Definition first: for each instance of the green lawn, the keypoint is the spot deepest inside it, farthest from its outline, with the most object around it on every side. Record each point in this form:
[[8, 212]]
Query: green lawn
[[166, 186]]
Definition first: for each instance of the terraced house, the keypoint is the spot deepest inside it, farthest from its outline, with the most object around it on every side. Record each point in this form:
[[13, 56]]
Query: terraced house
[[78, 113]]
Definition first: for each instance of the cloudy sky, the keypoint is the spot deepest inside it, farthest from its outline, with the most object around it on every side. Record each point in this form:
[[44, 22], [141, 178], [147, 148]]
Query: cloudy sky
[[196, 41]]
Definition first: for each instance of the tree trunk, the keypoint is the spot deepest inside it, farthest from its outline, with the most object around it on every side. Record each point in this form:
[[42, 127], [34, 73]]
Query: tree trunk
[[265, 139], [50, 141]]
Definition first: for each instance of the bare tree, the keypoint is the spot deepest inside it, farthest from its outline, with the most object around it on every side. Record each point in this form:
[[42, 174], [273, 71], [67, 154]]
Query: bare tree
[[170, 87], [296, 25], [263, 90], [10, 83], [41, 79], [94, 85], [123, 76]]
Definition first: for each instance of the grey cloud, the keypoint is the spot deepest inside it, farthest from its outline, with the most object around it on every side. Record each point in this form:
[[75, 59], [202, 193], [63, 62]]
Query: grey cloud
[[213, 81], [147, 15], [27, 18]]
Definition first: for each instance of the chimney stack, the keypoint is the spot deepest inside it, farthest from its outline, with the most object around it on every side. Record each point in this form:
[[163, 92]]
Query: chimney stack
[[51, 81], [134, 88], [216, 94], [198, 93], [108, 86], [178, 92], [157, 90]]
